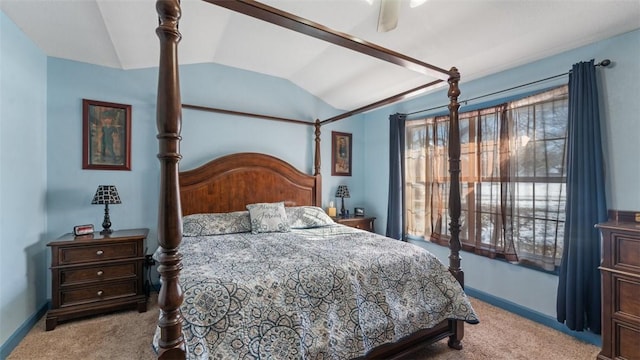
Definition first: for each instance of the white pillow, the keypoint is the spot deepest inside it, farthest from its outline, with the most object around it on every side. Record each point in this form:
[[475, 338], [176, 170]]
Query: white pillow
[[268, 217], [305, 217]]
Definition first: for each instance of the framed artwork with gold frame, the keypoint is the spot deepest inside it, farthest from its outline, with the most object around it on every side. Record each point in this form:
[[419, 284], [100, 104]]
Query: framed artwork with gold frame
[[341, 153], [106, 135]]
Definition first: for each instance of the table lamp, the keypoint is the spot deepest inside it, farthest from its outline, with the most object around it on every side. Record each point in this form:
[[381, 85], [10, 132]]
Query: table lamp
[[342, 192], [106, 194]]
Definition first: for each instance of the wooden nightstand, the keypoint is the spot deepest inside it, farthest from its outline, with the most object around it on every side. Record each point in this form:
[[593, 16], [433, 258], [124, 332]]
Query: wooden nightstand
[[95, 274], [358, 222]]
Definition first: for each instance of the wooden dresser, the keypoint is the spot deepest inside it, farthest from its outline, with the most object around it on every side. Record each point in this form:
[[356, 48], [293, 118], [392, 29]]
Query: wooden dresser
[[620, 286], [358, 222], [95, 273]]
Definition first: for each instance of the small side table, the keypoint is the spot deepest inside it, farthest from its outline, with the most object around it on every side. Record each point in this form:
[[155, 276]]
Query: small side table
[[94, 274]]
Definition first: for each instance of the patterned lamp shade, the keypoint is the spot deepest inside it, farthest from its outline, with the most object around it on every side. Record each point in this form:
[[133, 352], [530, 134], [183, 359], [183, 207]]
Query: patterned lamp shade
[[342, 192], [106, 194]]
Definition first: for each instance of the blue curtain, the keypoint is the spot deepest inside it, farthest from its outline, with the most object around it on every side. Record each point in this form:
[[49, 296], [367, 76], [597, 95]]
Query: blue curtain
[[396, 206], [578, 302]]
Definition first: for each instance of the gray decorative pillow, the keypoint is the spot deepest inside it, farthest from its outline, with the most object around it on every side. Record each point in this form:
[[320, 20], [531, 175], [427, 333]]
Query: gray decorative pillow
[[268, 217], [305, 217], [216, 223]]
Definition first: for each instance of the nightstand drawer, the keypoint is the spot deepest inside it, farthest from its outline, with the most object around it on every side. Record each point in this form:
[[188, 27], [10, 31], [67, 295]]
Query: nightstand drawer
[[73, 276], [363, 223], [98, 252], [99, 292]]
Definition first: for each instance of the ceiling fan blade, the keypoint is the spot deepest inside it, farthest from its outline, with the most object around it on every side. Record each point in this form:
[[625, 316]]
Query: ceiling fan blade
[[388, 18]]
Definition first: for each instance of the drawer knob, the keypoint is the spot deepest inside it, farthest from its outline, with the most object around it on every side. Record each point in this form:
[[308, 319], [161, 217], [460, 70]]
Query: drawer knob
[[100, 273], [99, 292], [99, 252], [357, 226]]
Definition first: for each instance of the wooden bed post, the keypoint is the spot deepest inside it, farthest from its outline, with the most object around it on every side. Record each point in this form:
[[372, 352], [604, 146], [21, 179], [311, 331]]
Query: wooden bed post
[[454, 199], [454, 172], [317, 154], [317, 161], [168, 114]]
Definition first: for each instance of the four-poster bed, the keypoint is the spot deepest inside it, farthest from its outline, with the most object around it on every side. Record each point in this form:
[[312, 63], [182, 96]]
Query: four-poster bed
[[231, 183]]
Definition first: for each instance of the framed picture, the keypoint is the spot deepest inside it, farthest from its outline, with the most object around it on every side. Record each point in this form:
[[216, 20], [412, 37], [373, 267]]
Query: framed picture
[[359, 211], [340, 153], [106, 135]]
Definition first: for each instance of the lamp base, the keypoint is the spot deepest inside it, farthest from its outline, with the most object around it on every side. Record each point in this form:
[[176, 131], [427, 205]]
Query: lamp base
[[106, 223]]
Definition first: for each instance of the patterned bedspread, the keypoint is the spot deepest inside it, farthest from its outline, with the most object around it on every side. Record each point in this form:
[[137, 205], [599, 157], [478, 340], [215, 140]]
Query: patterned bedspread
[[326, 293]]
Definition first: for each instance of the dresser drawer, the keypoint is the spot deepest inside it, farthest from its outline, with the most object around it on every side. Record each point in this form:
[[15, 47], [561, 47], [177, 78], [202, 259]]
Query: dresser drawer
[[97, 252], [83, 275], [626, 297], [98, 292], [626, 253], [626, 337]]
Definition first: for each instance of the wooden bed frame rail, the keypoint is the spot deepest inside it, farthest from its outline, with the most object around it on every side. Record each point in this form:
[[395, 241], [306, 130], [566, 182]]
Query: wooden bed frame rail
[[169, 122]]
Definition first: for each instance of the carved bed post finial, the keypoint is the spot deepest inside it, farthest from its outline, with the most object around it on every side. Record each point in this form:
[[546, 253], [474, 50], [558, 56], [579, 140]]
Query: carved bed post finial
[[168, 113]]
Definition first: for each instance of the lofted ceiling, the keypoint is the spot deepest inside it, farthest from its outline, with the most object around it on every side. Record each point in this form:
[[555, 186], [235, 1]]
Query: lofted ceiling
[[479, 37]]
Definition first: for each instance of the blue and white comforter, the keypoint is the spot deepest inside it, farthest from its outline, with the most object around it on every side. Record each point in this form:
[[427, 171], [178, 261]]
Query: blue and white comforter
[[326, 293]]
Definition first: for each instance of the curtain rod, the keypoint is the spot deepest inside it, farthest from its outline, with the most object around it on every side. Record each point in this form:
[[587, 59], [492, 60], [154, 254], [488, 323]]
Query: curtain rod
[[603, 63]]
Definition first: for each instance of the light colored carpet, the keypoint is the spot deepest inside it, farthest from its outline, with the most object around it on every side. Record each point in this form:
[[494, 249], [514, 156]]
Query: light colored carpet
[[127, 336], [504, 335]]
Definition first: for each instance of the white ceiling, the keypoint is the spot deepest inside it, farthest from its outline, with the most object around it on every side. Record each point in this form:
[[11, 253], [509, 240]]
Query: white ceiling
[[479, 37]]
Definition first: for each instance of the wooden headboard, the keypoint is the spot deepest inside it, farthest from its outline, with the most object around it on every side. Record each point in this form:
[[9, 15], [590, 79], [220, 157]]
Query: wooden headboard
[[231, 182]]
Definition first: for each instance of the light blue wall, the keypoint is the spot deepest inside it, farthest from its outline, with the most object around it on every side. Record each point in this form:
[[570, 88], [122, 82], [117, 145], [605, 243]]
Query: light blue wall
[[620, 107], [23, 102]]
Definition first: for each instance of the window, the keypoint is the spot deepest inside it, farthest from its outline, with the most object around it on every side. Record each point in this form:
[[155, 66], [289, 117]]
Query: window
[[512, 179]]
